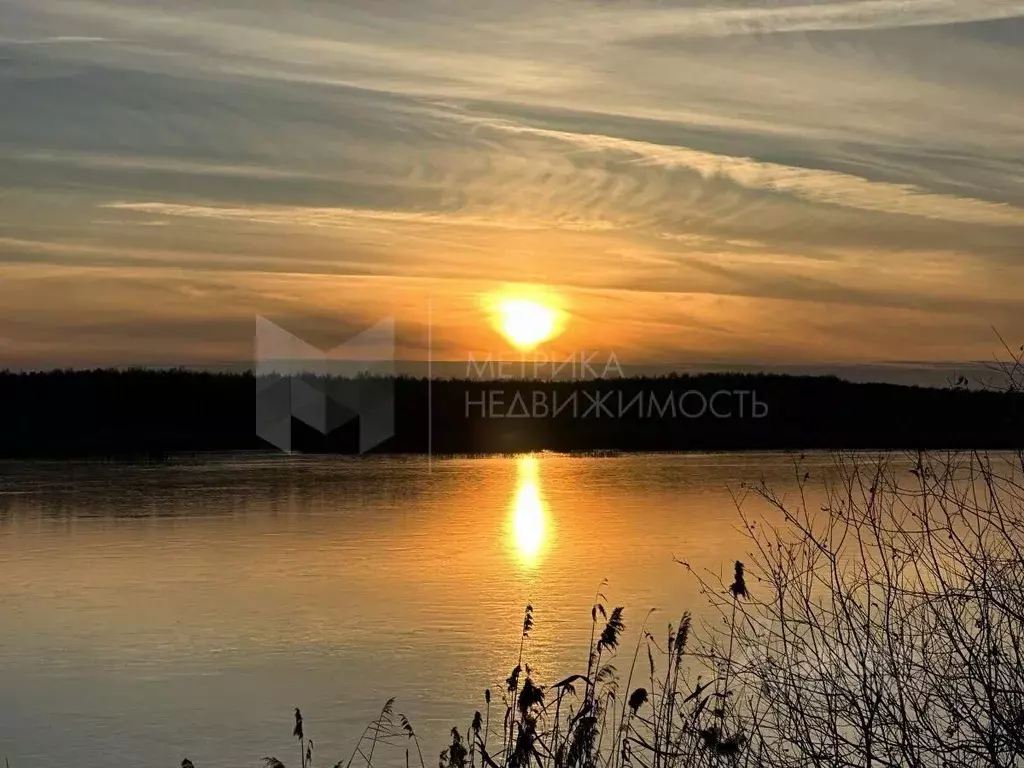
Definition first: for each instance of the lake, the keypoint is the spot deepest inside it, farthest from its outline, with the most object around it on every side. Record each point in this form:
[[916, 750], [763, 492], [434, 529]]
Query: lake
[[183, 609]]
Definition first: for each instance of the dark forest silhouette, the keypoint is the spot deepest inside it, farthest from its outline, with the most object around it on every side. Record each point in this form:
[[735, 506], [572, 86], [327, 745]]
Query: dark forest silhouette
[[142, 413]]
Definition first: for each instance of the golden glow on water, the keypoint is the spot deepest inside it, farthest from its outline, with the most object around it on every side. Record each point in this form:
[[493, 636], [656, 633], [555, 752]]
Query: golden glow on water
[[529, 514], [241, 582]]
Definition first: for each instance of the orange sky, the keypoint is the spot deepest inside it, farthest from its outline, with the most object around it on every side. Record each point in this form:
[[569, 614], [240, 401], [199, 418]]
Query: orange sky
[[830, 190]]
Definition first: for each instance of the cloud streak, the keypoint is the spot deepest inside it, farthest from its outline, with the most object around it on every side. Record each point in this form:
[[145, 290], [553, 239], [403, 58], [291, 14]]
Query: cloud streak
[[691, 21], [815, 185]]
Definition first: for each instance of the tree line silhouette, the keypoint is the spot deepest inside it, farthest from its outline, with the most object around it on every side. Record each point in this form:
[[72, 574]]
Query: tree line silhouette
[[146, 413]]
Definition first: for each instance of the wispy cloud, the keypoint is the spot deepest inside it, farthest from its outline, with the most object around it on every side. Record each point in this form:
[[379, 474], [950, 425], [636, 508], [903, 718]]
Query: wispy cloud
[[347, 218], [816, 185], [709, 21], [56, 40], [181, 165]]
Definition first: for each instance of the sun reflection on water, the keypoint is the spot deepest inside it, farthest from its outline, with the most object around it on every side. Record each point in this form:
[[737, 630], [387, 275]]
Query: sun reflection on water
[[529, 514]]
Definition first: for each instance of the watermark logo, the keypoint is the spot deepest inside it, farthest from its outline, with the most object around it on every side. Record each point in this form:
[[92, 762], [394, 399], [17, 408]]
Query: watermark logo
[[615, 403], [585, 365], [325, 389], [590, 384]]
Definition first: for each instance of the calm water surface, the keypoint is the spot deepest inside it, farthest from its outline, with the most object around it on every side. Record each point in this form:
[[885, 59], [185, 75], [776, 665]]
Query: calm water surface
[[150, 613]]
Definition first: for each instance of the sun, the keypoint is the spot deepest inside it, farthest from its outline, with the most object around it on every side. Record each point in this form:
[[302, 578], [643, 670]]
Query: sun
[[525, 322]]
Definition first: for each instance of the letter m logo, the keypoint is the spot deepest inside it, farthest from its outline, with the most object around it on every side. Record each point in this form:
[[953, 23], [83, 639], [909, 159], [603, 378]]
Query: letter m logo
[[325, 389]]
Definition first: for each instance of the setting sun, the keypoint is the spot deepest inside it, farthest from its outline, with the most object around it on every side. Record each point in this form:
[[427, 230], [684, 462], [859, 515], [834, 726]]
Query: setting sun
[[526, 323]]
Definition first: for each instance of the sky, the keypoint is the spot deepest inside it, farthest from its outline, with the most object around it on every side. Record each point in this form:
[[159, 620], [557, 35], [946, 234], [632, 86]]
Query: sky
[[819, 185]]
